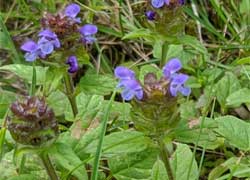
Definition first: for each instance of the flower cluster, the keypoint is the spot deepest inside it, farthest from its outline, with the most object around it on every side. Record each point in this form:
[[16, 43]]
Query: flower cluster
[[32, 122], [60, 26], [46, 44], [171, 83]]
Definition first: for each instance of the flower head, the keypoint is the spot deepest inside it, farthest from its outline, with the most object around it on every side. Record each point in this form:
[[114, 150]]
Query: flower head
[[87, 31], [131, 87], [72, 62], [150, 15]]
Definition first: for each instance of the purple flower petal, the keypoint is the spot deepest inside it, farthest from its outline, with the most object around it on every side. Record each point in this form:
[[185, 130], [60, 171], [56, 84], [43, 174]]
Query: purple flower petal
[[131, 88], [185, 91], [47, 33], [167, 2], [88, 39], [72, 62], [157, 3], [72, 10], [45, 46], [30, 56], [177, 85], [124, 73], [127, 94], [171, 67], [88, 29], [181, 2], [150, 15], [29, 46], [179, 79]]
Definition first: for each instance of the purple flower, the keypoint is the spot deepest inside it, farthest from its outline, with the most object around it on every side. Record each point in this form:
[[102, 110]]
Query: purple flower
[[124, 73], [177, 80], [32, 50], [72, 62], [172, 66], [50, 36], [181, 2], [72, 11], [131, 87], [177, 85], [157, 3], [150, 15], [87, 31]]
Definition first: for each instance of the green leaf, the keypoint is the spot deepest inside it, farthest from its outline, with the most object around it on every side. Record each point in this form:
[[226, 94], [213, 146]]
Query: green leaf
[[182, 158], [239, 97], [133, 166], [174, 51], [97, 84], [139, 33], [235, 131], [25, 72], [53, 78], [121, 142], [6, 98], [88, 107], [23, 177], [225, 87], [66, 159], [159, 171], [59, 102]]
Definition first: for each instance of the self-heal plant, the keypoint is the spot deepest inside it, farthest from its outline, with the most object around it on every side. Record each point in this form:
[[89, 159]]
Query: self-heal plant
[[155, 106], [172, 82]]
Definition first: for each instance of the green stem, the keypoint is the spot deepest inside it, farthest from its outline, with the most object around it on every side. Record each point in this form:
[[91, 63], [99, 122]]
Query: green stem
[[102, 134], [163, 54], [165, 158], [49, 167], [70, 93]]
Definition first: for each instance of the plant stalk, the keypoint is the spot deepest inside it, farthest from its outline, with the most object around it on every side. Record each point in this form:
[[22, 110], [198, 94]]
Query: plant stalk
[[70, 93], [164, 154], [48, 166]]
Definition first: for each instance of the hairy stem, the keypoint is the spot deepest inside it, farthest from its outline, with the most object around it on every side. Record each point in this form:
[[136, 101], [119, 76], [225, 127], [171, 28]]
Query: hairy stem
[[165, 158], [70, 93], [48, 166]]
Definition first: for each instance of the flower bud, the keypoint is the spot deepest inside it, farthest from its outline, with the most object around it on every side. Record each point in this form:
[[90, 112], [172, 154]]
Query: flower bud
[[32, 122]]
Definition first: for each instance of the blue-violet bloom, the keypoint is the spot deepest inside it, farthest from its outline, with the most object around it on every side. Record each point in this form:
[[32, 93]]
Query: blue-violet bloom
[[157, 3], [131, 87], [72, 62], [72, 11], [177, 85], [177, 80], [172, 66], [32, 50], [50, 36], [150, 15], [87, 31]]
